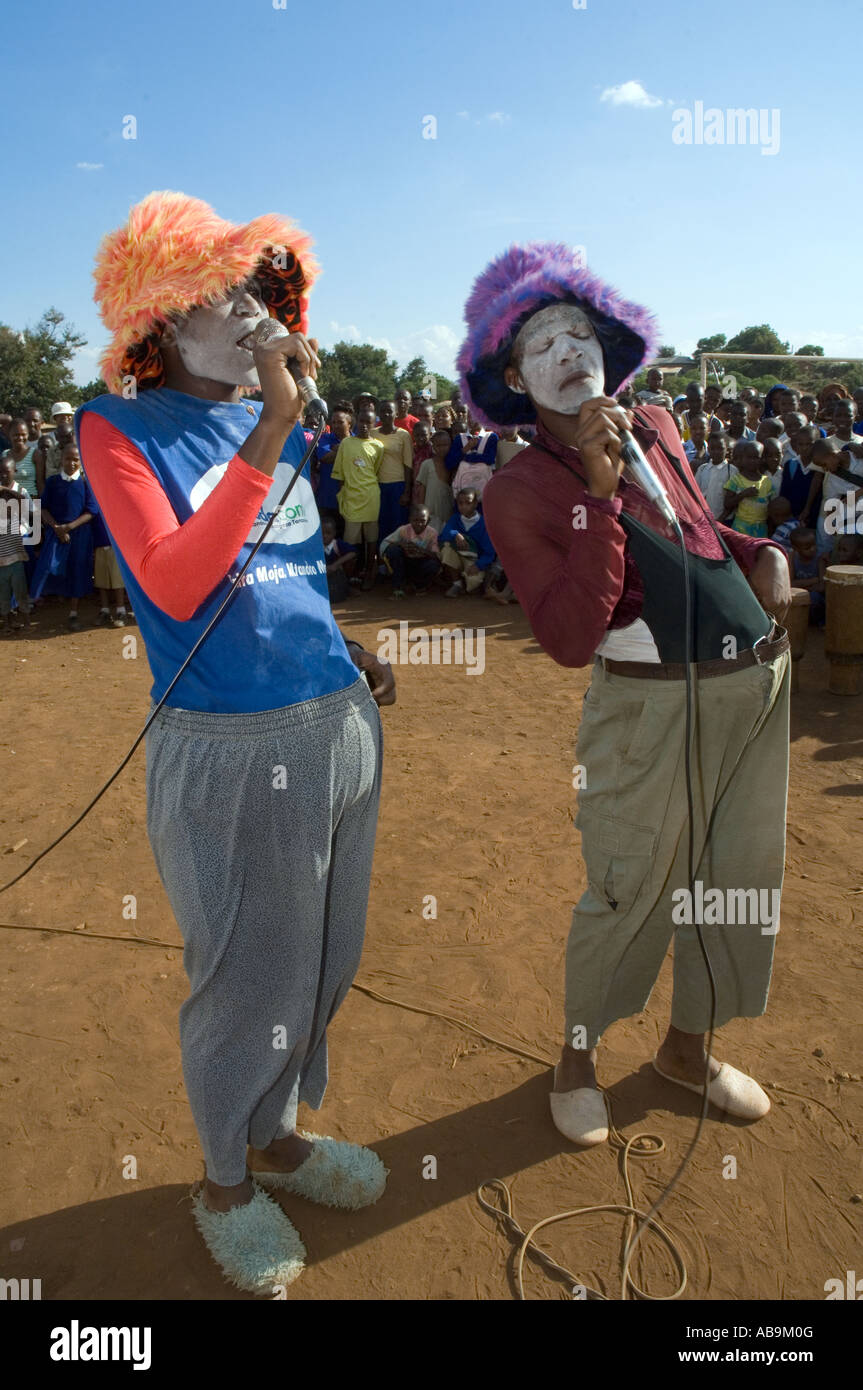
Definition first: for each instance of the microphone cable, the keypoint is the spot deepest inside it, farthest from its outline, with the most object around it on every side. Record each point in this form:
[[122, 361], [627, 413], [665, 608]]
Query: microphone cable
[[195, 649], [648, 1219]]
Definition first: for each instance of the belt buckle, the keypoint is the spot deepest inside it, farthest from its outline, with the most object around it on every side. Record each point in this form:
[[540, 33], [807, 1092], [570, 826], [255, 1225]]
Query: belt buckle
[[766, 638]]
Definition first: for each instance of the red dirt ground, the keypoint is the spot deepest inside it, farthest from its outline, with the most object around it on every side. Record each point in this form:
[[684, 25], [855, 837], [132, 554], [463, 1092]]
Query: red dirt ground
[[477, 810]]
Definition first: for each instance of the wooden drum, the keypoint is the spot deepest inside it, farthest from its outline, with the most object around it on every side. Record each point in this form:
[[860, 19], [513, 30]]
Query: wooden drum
[[843, 636], [797, 623]]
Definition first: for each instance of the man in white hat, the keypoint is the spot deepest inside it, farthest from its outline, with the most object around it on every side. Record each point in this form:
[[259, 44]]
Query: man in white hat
[[49, 450]]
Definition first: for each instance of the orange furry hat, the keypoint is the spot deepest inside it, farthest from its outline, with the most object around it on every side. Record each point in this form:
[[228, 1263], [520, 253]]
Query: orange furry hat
[[173, 254]]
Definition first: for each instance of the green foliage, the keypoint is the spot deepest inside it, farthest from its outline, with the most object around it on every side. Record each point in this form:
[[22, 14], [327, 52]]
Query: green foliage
[[445, 387], [416, 374], [350, 368], [35, 366], [810, 350], [713, 344], [666, 350], [80, 394], [353, 367], [759, 338], [413, 376]]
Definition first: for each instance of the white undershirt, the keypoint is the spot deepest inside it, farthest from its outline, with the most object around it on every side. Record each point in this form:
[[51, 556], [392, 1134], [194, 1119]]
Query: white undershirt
[[631, 643]]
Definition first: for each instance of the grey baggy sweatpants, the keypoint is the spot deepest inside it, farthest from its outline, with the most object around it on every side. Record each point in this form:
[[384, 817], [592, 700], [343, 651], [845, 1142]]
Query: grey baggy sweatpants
[[632, 814], [263, 830]]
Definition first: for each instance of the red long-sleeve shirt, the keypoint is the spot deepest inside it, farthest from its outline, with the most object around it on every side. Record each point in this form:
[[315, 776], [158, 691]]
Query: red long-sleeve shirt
[[574, 584], [177, 565]]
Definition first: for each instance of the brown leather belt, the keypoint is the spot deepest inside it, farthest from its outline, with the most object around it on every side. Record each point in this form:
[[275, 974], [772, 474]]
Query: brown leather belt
[[773, 644]]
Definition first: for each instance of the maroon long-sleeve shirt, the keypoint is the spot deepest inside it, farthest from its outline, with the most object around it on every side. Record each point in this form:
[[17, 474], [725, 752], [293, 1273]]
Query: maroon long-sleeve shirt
[[575, 584]]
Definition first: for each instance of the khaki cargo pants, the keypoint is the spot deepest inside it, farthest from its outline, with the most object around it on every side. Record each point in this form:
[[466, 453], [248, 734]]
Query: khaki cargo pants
[[632, 815]]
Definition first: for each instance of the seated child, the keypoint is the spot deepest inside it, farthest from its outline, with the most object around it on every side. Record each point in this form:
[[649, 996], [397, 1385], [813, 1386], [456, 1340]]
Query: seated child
[[807, 571], [411, 553], [749, 490], [341, 561], [466, 548]]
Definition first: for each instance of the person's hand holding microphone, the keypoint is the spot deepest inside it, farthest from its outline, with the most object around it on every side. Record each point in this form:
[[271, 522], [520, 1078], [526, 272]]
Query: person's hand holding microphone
[[597, 438], [282, 401]]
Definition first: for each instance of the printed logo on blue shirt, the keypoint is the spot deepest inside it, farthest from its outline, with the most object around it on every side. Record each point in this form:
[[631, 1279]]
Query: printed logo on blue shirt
[[298, 520]]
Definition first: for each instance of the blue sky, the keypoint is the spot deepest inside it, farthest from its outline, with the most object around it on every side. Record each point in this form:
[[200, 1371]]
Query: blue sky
[[552, 123]]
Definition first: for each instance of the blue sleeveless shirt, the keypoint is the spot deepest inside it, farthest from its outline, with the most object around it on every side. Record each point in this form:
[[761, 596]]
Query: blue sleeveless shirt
[[278, 642]]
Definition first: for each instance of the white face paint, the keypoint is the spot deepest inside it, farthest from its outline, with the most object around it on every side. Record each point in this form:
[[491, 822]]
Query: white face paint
[[207, 337], [561, 361]]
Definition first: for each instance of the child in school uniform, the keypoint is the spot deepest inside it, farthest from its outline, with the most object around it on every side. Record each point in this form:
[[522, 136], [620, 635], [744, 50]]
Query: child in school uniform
[[341, 561], [466, 547], [65, 564], [714, 474], [807, 570], [107, 577]]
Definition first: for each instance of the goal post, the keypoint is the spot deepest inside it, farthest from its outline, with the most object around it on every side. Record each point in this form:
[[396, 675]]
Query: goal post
[[765, 357]]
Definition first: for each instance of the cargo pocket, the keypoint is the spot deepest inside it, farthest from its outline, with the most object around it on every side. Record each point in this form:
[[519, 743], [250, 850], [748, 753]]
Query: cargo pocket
[[617, 856], [644, 733]]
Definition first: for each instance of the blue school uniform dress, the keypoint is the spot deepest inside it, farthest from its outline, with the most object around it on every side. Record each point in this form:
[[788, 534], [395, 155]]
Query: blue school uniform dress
[[327, 495], [66, 569]]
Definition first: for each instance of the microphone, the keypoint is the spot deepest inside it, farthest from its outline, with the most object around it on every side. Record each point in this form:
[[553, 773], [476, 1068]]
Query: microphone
[[643, 474], [265, 332]]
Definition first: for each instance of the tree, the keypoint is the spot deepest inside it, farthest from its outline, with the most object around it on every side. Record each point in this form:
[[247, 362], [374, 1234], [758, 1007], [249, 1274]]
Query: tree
[[413, 376], [809, 350], [759, 338], [707, 345], [35, 365], [353, 367], [445, 387], [81, 394], [666, 350]]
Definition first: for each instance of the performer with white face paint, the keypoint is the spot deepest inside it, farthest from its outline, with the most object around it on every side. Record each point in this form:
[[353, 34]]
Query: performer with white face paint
[[598, 570], [263, 767]]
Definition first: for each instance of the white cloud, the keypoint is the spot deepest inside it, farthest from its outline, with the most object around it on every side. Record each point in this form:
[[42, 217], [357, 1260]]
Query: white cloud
[[834, 344], [82, 164], [493, 118], [345, 332], [630, 94]]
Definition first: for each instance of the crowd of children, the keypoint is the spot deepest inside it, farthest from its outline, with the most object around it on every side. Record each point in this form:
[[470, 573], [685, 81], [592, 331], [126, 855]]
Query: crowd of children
[[399, 487], [53, 542], [399, 483], [777, 466]]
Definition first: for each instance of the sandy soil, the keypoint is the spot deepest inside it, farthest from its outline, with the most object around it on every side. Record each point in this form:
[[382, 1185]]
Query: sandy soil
[[90, 1065]]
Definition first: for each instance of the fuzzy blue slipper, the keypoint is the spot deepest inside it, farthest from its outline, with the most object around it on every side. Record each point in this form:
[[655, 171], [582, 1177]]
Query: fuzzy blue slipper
[[335, 1174], [257, 1248]]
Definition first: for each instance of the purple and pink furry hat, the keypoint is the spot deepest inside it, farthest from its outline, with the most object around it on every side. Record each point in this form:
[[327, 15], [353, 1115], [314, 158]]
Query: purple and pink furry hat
[[516, 285]]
